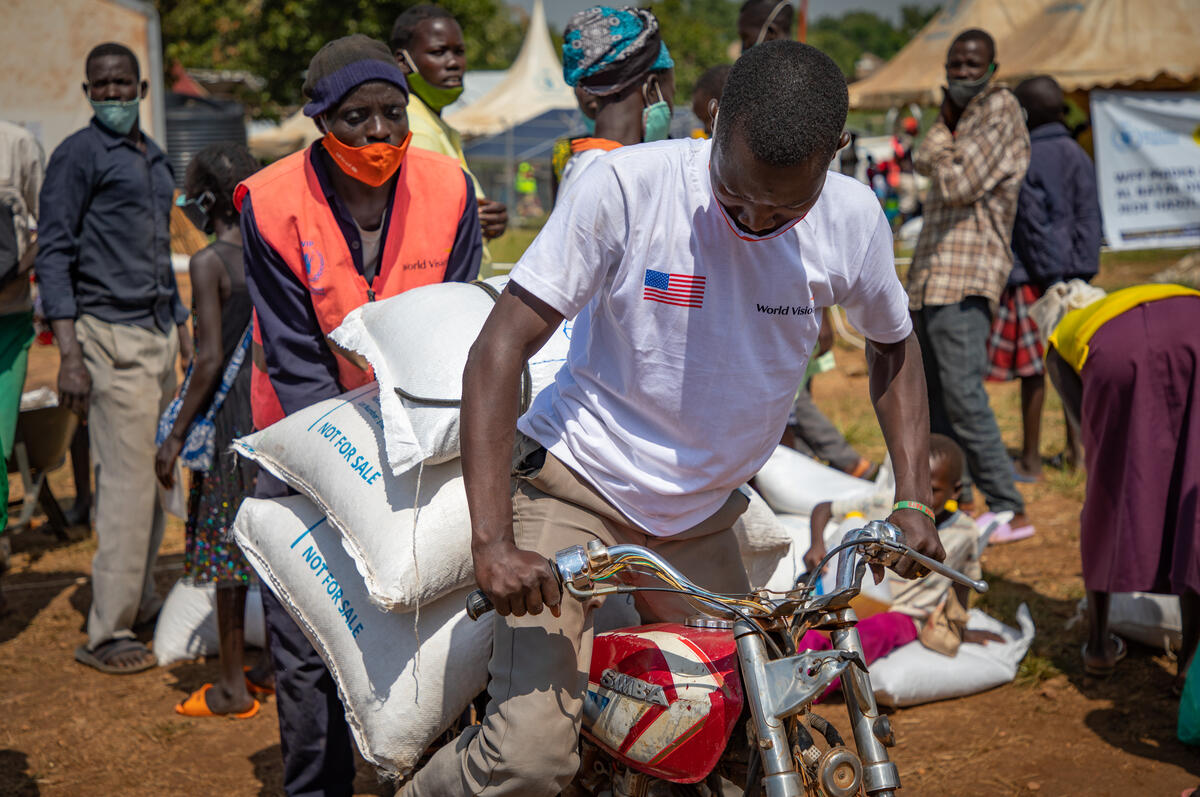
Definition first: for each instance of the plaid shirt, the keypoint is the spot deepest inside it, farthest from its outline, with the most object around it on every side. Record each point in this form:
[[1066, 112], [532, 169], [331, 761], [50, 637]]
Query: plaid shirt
[[965, 247]]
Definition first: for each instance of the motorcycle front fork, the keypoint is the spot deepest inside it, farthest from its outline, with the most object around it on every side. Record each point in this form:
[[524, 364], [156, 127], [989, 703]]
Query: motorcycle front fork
[[780, 777]]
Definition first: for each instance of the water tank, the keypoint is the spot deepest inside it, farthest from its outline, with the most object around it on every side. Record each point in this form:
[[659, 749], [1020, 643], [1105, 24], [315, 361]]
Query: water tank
[[195, 122]]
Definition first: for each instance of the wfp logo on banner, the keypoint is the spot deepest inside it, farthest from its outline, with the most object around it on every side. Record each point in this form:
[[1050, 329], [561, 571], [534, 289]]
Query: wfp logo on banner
[[1134, 139]]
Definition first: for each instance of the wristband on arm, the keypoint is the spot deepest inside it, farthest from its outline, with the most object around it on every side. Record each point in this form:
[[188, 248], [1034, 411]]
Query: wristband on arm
[[915, 505]]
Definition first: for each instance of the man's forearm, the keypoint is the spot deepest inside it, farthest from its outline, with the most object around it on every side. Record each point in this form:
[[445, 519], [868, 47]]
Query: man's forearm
[[490, 406], [897, 384], [64, 334]]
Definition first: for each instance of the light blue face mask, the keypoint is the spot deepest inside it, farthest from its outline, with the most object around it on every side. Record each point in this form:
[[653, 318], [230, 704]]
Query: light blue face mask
[[118, 116], [590, 126], [656, 119]]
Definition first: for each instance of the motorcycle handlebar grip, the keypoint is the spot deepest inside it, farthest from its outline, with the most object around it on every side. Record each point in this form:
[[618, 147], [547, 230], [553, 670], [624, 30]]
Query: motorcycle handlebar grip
[[478, 604], [950, 573]]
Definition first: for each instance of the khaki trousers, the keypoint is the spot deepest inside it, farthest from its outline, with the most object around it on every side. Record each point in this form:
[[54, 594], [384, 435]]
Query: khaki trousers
[[133, 378], [527, 744]]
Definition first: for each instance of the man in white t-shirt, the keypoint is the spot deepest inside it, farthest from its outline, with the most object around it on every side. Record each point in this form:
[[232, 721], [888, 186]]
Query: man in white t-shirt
[[696, 272]]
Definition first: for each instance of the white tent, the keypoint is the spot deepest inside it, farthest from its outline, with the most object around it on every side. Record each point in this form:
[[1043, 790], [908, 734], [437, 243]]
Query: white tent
[[532, 86], [476, 85]]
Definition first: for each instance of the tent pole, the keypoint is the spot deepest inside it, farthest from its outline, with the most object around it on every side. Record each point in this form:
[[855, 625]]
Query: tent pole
[[510, 167]]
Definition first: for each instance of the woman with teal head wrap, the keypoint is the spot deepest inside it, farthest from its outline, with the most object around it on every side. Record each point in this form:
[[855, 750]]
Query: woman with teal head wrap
[[606, 49], [617, 56]]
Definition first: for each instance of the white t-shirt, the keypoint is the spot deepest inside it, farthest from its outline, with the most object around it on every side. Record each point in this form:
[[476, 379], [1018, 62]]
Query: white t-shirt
[[690, 339], [577, 165]]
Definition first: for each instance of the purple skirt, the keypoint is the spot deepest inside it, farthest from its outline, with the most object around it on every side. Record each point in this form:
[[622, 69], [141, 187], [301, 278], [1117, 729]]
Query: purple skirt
[[1140, 526]]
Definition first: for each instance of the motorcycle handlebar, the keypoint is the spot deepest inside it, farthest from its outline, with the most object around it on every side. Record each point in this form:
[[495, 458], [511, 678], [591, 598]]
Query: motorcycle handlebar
[[979, 585], [574, 563]]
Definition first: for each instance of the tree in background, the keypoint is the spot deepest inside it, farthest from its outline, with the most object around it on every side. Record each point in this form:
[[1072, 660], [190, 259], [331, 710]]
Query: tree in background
[[698, 34], [846, 38], [274, 39]]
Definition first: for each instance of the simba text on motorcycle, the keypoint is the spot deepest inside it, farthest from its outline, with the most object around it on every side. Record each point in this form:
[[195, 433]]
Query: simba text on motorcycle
[[676, 388], [356, 217]]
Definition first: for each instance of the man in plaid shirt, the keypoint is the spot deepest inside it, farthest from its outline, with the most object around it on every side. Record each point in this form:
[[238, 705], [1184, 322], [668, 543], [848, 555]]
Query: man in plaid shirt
[[975, 155]]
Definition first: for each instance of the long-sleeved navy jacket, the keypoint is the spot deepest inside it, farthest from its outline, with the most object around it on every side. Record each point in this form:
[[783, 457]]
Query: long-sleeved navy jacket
[[104, 237], [1056, 235]]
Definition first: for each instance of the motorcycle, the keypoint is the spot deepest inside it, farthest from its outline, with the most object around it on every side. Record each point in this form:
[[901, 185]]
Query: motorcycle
[[682, 708]]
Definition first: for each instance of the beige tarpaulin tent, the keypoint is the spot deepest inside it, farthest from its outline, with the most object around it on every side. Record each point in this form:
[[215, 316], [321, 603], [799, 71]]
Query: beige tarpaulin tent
[[534, 84], [1140, 44], [295, 133], [917, 73]]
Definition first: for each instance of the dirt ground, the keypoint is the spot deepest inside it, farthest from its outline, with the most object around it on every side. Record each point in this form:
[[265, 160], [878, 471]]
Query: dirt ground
[[68, 730]]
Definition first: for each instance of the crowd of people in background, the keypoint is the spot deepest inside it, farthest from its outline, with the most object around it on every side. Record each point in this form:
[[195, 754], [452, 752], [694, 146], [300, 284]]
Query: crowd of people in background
[[997, 290]]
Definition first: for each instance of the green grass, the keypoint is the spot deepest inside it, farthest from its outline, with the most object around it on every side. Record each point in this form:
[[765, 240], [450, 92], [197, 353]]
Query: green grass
[[509, 247], [1034, 670]]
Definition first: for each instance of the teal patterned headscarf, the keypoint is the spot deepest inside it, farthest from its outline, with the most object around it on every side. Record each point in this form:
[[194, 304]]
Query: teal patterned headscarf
[[607, 49]]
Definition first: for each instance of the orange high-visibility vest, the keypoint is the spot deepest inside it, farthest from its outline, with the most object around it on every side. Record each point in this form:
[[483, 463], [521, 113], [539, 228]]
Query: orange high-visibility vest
[[264, 403], [294, 218]]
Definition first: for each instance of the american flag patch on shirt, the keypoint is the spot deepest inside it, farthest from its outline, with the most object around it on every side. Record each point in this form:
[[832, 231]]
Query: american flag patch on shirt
[[677, 289]]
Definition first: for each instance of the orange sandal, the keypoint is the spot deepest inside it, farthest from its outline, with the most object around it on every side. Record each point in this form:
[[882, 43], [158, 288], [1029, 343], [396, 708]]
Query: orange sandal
[[197, 706], [257, 689]]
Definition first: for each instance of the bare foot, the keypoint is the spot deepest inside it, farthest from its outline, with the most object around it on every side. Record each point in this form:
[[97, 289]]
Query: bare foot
[[1026, 471]]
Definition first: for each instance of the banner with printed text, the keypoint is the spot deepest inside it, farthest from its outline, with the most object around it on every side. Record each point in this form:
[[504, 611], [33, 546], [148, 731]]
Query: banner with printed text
[[1147, 147]]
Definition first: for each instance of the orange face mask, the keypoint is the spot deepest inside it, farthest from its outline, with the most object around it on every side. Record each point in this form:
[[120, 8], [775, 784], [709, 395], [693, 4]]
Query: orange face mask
[[373, 164]]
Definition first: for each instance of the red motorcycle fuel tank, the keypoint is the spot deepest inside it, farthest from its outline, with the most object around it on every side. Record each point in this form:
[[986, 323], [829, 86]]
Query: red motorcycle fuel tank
[[663, 699]]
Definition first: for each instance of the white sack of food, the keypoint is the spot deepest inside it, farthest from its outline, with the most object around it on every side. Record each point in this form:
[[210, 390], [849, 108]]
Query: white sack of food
[[396, 701], [914, 674], [410, 535], [186, 628], [417, 343], [793, 483], [834, 533], [791, 565], [1154, 620], [763, 540]]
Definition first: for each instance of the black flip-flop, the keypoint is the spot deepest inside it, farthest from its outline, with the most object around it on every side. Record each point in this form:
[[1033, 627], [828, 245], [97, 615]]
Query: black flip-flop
[[1104, 670], [106, 651]]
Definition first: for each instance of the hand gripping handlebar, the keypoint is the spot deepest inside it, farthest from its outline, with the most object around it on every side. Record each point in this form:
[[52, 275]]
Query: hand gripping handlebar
[[879, 541]]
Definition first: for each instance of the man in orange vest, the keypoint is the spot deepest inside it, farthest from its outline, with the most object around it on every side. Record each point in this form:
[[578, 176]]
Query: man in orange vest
[[356, 217]]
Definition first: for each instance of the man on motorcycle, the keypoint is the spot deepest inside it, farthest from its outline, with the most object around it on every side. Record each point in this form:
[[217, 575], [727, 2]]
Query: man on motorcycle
[[696, 272]]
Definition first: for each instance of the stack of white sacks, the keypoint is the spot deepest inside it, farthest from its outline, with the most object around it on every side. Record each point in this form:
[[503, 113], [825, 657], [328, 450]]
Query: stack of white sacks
[[373, 556]]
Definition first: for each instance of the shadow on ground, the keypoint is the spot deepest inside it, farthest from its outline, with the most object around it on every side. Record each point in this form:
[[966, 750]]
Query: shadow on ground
[[166, 572], [28, 594], [1142, 715], [15, 779]]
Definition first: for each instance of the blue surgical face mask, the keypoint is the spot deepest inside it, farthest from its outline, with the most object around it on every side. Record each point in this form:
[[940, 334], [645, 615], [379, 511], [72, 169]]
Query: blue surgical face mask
[[656, 118], [590, 126], [118, 116], [657, 121], [198, 210]]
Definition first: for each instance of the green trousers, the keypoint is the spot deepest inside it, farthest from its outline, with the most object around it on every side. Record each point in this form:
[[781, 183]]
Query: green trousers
[[16, 333]]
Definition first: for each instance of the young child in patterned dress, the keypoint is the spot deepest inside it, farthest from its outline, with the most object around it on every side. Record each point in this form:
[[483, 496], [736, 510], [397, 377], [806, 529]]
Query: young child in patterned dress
[[221, 313]]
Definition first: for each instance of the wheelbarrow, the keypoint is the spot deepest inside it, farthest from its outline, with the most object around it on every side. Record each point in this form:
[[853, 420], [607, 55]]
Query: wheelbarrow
[[40, 447]]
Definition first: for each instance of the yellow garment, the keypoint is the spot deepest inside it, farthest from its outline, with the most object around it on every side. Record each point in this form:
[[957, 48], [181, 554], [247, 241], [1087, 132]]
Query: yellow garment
[[430, 131], [1073, 334]]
